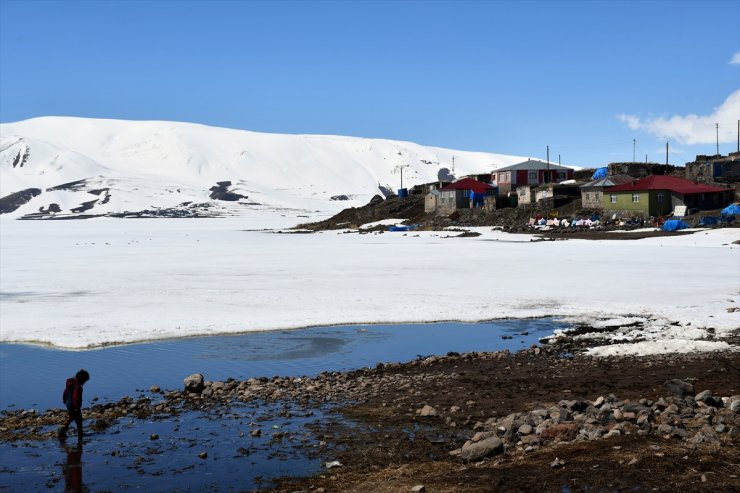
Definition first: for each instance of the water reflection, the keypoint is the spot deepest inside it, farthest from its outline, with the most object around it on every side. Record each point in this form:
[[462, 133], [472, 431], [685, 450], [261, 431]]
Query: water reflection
[[72, 468]]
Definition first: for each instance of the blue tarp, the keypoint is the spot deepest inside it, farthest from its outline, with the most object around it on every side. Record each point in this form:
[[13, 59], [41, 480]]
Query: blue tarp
[[731, 210], [674, 225], [599, 173], [410, 227]]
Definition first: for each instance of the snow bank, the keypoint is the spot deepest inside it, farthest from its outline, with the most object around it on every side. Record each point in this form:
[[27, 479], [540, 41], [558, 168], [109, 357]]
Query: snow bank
[[659, 347]]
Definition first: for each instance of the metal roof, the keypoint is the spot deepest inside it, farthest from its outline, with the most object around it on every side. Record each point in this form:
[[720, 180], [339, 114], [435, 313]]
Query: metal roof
[[609, 181], [468, 184], [667, 182], [533, 165]]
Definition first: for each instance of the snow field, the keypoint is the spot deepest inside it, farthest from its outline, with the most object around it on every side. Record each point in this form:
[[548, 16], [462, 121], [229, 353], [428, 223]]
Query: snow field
[[77, 284]]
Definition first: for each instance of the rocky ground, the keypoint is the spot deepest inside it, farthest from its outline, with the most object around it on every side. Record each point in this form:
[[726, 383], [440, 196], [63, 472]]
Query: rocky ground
[[548, 418]]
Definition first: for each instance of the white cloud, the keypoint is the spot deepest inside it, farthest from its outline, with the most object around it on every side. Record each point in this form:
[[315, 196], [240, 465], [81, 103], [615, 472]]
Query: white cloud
[[735, 60], [693, 129]]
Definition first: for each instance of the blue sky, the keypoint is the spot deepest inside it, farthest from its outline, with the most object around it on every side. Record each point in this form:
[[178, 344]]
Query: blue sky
[[585, 78]]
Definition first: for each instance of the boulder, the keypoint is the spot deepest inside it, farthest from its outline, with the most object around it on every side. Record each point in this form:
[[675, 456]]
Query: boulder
[[679, 388], [194, 383], [480, 450]]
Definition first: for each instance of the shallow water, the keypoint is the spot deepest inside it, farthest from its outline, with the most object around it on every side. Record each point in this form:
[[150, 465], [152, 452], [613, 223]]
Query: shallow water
[[123, 457], [34, 376]]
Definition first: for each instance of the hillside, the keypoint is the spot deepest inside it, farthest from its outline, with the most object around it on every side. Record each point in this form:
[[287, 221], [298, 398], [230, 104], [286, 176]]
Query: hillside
[[59, 167]]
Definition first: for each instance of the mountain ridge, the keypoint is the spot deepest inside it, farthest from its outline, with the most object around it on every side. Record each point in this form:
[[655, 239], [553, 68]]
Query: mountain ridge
[[152, 165]]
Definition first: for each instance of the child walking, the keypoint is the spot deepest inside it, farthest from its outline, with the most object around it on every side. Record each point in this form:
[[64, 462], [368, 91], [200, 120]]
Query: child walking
[[72, 398]]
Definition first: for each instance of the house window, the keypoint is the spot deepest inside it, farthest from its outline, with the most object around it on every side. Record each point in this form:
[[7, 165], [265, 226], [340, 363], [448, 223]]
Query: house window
[[635, 197], [613, 198], [660, 196], [466, 193], [561, 175], [533, 176]]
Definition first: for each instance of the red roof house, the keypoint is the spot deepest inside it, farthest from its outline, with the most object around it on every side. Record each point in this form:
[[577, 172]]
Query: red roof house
[[658, 195]]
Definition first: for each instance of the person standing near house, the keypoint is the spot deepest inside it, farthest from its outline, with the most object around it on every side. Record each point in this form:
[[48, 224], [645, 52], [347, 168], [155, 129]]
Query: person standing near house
[[72, 398]]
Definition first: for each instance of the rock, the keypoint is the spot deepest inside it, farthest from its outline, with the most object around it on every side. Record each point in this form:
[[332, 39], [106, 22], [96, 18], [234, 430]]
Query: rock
[[557, 463], [203, 455], [482, 435], [599, 401], [257, 433], [153, 436], [427, 410], [479, 450], [709, 399], [419, 488], [154, 389], [333, 464], [525, 429], [194, 383], [614, 432], [679, 388]]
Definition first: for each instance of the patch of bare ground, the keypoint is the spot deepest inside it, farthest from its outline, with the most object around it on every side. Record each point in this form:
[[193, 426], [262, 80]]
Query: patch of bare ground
[[391, 447]]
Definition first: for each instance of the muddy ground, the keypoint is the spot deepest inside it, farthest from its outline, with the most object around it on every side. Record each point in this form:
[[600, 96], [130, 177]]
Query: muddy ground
[[396, 449]]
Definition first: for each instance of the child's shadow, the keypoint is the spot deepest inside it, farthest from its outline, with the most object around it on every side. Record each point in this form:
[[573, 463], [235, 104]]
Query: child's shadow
[[72, 468]]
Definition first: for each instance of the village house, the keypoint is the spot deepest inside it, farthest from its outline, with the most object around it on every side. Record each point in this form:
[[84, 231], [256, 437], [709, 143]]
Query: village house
[[556, 193], [592, 193], [462, 194], [718, 168], [658, 195], [525, 195], [530, 172], [640, 170]]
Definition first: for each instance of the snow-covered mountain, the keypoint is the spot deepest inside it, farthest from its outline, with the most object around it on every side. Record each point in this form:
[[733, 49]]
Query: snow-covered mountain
[[62, 167]]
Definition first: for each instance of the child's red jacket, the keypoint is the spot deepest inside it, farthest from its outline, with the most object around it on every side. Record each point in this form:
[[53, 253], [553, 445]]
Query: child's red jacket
[[72, 395]]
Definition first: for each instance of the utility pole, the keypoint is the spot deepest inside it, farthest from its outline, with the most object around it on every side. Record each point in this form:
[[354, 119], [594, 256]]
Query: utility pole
[[559, 160], [400, 168], [645, 158], [547, 176], [716, 126], [453, 165], [666, 154], [738, 136], [634, 144]]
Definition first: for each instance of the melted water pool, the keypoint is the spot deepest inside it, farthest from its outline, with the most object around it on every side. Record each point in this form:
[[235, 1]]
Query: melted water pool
[[34, 376], [124, 457]]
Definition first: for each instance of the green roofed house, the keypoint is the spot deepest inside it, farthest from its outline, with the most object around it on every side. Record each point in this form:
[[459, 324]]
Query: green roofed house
[[658, 195]]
